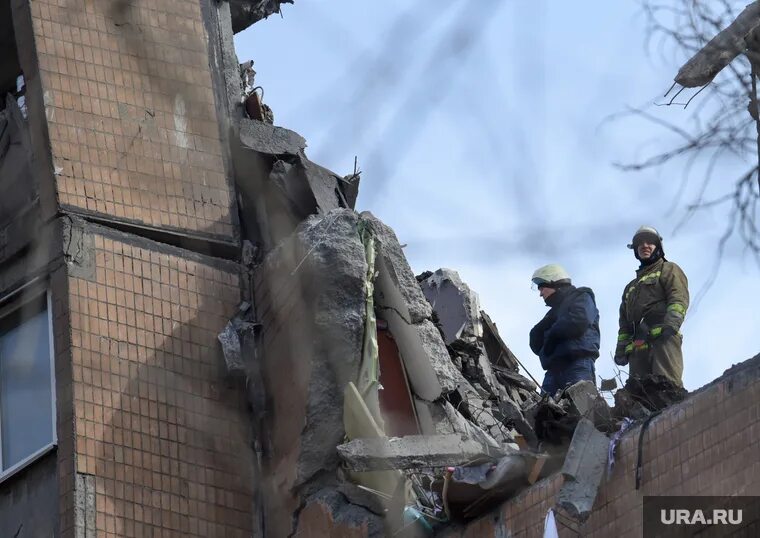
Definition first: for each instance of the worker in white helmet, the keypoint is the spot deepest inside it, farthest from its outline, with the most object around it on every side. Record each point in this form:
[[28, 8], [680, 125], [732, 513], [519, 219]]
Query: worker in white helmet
[[652, 310], [566, 340]]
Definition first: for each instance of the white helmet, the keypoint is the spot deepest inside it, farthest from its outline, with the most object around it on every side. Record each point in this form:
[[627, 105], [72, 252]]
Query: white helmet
[[550, 274]]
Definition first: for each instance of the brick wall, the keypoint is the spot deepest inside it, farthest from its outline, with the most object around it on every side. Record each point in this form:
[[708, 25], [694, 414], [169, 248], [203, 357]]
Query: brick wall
[[130, 111], [157, 432], [707, 445]]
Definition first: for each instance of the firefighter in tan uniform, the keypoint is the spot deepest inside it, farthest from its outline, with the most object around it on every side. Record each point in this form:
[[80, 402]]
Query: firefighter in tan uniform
[[652, 310]]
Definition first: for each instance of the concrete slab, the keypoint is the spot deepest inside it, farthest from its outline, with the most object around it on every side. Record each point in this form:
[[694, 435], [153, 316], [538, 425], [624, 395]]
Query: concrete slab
[[583, 470], [413, 452]]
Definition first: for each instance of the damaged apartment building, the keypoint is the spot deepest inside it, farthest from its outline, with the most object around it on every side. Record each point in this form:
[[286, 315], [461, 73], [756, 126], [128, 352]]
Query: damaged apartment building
[[215, 343]]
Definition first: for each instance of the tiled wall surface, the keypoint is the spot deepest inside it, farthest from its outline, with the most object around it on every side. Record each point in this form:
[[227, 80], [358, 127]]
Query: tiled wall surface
[[163, 435], [130, 110], [707, 445]]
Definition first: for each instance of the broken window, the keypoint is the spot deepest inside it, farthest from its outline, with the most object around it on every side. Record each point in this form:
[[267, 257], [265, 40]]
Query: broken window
[[27, 425]]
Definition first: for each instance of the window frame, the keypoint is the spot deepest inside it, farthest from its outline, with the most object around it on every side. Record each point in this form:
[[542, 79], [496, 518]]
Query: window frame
[[11, 304]]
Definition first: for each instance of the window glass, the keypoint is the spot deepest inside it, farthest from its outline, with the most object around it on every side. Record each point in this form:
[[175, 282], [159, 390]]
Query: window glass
[[26, 416]]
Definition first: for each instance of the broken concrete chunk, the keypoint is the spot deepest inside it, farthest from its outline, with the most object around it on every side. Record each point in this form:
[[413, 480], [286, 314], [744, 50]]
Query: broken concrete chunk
[[644, 395], [288, 179], [391, 259], [324, 184], [330, 512], [583, 470], [247, 12], [461, 425], [448, 376], [349, 185], [510, 467], [270, 139], [457, 306], [582, 394], [413, 452], [498, 352], [512, 414], [510, 377], [608, 384]]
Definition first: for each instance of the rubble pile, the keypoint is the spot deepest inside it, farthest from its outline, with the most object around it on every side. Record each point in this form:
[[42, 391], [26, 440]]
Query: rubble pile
[[388, 400], [495, 393], [641, 397]]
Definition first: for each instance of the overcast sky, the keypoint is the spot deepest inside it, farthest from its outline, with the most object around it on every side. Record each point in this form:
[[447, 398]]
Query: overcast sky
[[481, 135]]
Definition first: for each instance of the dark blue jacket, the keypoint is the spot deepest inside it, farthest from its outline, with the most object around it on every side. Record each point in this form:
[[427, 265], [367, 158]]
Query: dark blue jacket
[[569, 330]]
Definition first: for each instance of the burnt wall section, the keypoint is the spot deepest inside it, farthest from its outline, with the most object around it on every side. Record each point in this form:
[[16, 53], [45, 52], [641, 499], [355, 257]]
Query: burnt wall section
[[706, 445], [131, 114], [158, 426], [310, 301], [20, 217], [29, 501]]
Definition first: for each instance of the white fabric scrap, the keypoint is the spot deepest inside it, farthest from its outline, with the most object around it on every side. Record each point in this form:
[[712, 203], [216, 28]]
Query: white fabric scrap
[[550, 525]]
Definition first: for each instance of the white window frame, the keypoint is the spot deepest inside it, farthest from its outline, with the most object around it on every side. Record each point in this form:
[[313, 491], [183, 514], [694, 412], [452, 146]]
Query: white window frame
[[31, 458]]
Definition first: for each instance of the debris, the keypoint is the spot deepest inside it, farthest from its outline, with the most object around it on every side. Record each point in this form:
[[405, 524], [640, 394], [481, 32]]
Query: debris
[[270, 139], [644, 395], [455, 303], [582, 394], [232, 336], [627, 406], [553, 423], [497, 350], [247, 12], [510, 467], [494, 392], [625, 425], [472, 474], [412, 452], [583, 470], [608, 384]]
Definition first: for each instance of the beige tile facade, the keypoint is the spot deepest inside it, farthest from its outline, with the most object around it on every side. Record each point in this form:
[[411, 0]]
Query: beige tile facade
[[163, 434], [131, 115]]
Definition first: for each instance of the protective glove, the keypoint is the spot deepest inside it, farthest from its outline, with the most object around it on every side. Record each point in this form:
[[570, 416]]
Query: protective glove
[[667, 332], [621, 360]]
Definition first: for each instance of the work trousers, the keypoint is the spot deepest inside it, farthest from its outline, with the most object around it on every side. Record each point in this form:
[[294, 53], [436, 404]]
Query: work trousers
[[662, 357], [571, 371]]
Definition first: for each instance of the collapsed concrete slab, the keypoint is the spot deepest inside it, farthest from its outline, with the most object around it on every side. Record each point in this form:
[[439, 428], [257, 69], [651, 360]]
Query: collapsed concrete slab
[[414, 308], [492, 396], [309, 299], [457, 306], [270, 139], [583, 470], [413, 452], [247, 12], [279, 186]]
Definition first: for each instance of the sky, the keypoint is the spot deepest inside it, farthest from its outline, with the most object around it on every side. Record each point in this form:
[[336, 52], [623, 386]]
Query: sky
[[484, 135]]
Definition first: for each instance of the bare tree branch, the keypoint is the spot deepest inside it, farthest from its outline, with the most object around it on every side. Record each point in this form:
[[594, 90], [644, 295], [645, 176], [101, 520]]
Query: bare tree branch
[[723, 130]]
